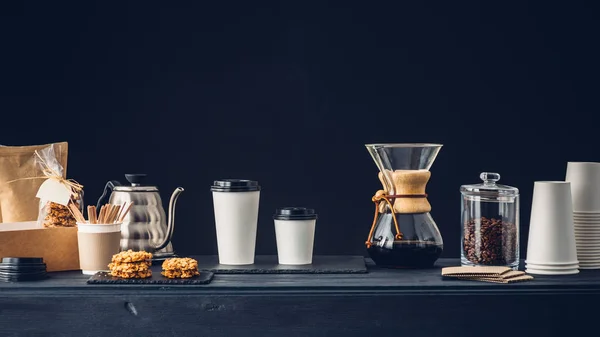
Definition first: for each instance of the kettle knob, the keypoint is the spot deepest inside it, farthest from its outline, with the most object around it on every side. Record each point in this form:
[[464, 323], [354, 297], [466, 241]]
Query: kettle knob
[[135, 179]]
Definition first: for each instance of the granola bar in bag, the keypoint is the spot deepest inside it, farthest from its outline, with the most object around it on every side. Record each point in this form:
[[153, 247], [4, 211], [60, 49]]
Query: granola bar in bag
[[56, 193]]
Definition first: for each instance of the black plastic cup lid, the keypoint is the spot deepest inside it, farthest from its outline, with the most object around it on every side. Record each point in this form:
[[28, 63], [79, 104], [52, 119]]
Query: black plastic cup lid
[[294, 213], [235, 185], [16, 274], [23, 278], [7, 266], [23, 260]]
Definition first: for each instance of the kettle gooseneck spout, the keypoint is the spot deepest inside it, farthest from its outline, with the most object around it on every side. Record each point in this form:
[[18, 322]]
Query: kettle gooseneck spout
[[170, 220]]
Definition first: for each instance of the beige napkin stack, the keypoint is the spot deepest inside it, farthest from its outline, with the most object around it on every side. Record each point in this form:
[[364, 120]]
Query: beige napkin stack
[[486, 274]]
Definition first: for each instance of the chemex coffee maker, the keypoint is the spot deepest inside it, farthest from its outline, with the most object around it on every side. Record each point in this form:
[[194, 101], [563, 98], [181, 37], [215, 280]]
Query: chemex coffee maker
[[403, 233], [146, 226]]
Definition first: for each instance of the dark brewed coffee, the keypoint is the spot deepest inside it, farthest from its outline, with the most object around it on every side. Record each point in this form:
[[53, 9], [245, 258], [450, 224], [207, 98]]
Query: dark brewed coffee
[[406, 254]]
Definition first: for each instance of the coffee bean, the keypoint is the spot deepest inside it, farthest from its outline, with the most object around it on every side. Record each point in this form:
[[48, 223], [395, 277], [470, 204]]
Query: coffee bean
[[490, 241]]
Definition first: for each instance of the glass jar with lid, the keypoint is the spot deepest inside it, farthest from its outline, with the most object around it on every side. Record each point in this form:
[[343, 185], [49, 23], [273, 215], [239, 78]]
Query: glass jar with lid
[[490, 223]]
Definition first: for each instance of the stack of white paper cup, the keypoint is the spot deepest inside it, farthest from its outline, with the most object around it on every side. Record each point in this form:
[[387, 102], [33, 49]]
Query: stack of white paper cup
[[236, 216], [585, 187], [551, 248], [295, 234]]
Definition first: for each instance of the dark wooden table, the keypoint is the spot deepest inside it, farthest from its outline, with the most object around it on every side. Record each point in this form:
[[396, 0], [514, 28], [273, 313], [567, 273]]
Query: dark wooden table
[[380, 303]]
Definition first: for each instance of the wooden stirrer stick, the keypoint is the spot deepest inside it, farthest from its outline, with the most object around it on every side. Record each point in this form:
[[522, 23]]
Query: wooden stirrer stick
[[90, 211], [95, 214], [126, 209], [115, 212], [102, 214], [121, 210], [76, 213]]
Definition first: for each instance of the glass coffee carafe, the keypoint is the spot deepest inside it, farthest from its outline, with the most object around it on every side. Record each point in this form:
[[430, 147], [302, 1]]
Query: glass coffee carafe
[[403, 233]]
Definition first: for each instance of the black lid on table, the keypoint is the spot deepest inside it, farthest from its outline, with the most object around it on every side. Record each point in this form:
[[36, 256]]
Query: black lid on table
[[15, 269], [23, 260]]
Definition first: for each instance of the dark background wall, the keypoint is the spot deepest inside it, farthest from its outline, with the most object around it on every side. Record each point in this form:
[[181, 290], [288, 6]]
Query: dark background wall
[[289, 92]]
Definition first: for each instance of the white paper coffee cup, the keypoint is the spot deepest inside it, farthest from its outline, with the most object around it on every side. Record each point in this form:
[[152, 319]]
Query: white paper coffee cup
[[551, 231], [236, 204], [97, 244], [585, 185], [295, 234]]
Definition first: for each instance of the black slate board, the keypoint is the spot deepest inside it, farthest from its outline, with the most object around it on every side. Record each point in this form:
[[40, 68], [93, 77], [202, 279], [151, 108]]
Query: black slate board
[[268, 264], [205, 277]]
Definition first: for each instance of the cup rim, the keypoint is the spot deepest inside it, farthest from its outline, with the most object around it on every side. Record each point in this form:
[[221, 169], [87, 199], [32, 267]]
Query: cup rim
[[554, 263], [583, 163], [553, 182], [548, 267], [552, 272], [98, 228], [405, 145]]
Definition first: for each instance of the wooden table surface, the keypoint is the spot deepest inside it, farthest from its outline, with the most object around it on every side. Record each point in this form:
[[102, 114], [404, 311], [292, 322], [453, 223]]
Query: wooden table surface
[[381, 303]]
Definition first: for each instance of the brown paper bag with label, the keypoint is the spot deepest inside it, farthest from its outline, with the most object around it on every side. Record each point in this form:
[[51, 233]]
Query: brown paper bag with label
[[18, 200]]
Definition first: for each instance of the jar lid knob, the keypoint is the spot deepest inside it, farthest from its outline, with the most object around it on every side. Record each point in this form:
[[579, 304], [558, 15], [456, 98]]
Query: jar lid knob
[[489, 178]]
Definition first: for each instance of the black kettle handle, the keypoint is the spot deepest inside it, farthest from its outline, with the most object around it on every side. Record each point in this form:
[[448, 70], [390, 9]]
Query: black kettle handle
[[103, 198]]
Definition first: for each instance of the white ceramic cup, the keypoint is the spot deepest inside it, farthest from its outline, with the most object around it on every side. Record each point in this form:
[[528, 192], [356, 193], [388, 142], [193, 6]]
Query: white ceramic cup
[[97, 244], [551, 232], [295, 234], [585, 185], [236, 215]]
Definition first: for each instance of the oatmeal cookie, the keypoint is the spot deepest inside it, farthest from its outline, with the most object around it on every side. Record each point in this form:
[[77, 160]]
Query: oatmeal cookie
[[131, 256], [129, 267], [184, 267], [133, 274], [58, 216], [180, 273], [182, 263]]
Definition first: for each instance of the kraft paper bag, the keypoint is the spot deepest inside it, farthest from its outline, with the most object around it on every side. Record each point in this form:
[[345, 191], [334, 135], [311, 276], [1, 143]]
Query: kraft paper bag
[[20, 179], [58, 246]]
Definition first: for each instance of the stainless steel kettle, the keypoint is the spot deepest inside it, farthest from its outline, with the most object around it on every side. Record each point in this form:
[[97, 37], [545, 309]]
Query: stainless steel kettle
[[146, 226]]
